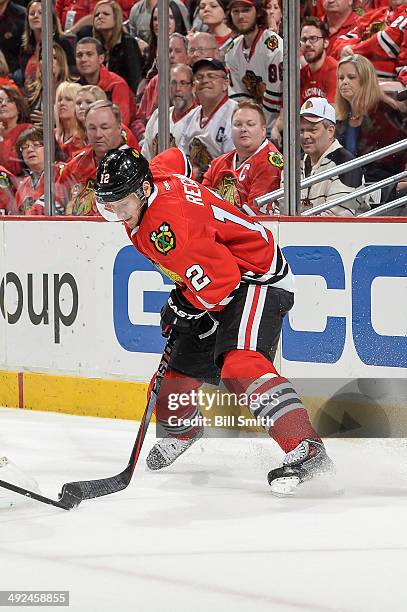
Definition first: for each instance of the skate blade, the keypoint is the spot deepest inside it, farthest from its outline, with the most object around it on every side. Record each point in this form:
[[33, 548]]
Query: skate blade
[[284, 486]]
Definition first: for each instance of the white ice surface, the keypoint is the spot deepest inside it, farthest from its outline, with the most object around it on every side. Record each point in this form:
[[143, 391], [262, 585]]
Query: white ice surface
[[205, 535]]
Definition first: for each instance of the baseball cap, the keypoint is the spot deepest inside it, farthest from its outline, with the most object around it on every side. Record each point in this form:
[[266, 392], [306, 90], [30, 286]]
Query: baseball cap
[[256, 3], [318, 109], [215, 64]]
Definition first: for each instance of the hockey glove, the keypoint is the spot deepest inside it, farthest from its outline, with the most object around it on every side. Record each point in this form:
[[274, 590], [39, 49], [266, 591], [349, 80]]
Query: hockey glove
[[179, 315]]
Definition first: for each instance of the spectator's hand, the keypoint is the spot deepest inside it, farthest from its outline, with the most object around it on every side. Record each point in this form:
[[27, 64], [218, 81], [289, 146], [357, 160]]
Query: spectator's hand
[[272, 24], [347, 50], [1, 131], [37, 118], [275, 136]]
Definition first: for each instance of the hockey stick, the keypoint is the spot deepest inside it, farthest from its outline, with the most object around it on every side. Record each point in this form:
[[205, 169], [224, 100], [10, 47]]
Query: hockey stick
[[73, 493]]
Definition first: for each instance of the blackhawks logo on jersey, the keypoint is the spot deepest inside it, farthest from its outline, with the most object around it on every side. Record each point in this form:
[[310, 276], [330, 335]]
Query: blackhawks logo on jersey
[[154, 144], [200, 157], [276, 160], [271, 42], [254, 85], [83, 198], [374, 27], [163, 239], [228, 190], [4, 181]]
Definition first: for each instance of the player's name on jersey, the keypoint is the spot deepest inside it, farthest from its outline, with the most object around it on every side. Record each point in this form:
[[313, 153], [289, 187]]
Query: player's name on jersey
[[218, 420]]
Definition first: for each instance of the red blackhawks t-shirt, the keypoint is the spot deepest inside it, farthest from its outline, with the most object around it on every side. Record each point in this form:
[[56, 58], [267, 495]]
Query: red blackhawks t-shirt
[[319, 84]]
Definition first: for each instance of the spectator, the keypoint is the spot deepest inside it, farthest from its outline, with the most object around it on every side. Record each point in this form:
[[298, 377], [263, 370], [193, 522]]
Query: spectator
[[178, 49], [340, 18], [202, 45], [402, 65], [87, 95], [12, 18], [208, 134], [323, 152], [74, 14], [67, 131], [75, 188], [8, 185], [378, 36], [31, 42], [4, 72], [250, 170], [368, 119], [90, 57], [213, 16], [13, 121], [30, 192], [122, 55], [148, 103], [318, 75], [140, 16], [182, 97], [274, 10], [61, 74], [176, 24], [255, 58]]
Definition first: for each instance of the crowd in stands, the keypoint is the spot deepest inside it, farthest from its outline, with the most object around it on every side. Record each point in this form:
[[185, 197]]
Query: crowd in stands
[[226, 97]]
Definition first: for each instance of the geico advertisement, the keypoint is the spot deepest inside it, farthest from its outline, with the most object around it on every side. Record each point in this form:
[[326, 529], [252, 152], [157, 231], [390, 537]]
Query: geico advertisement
[[76, 297]]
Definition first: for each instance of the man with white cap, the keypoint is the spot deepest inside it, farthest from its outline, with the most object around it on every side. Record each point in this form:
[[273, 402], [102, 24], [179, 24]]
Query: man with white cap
[[323, 152]]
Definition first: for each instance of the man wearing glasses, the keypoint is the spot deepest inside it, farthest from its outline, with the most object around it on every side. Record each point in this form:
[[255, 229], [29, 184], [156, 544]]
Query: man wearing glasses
[[318, 75], [209, 132], [183, 101], [200, 45]]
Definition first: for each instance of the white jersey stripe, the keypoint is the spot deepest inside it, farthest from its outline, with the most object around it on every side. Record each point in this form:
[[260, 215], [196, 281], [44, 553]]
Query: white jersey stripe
[[245, 317]]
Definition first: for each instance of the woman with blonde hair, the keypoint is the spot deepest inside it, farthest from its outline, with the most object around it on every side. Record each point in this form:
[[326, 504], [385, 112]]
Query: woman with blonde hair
[[61, 74], [67, 132], [367, 118], [87, 95], [123, 54]]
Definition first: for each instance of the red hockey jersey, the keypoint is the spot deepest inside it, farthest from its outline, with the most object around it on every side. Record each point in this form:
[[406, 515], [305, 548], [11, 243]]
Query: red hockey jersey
[[377, 36], [7, 193], [205, 244], [241, 183]]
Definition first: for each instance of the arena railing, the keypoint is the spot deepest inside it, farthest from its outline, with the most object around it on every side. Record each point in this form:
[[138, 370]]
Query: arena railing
[[356, 194], [337, 171]]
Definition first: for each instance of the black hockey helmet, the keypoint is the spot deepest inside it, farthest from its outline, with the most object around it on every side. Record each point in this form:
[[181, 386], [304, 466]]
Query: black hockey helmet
[[121, 172]]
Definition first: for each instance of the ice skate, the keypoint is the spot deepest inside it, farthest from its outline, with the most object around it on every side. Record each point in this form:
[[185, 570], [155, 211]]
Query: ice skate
[[304, 462], [167, 450]]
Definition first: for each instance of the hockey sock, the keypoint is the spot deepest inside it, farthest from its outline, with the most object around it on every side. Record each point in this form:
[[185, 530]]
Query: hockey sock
[[272, 397], [177, 406]]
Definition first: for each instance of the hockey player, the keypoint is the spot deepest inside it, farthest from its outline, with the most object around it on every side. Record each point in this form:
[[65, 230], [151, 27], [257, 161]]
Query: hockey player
[[233, 288]]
